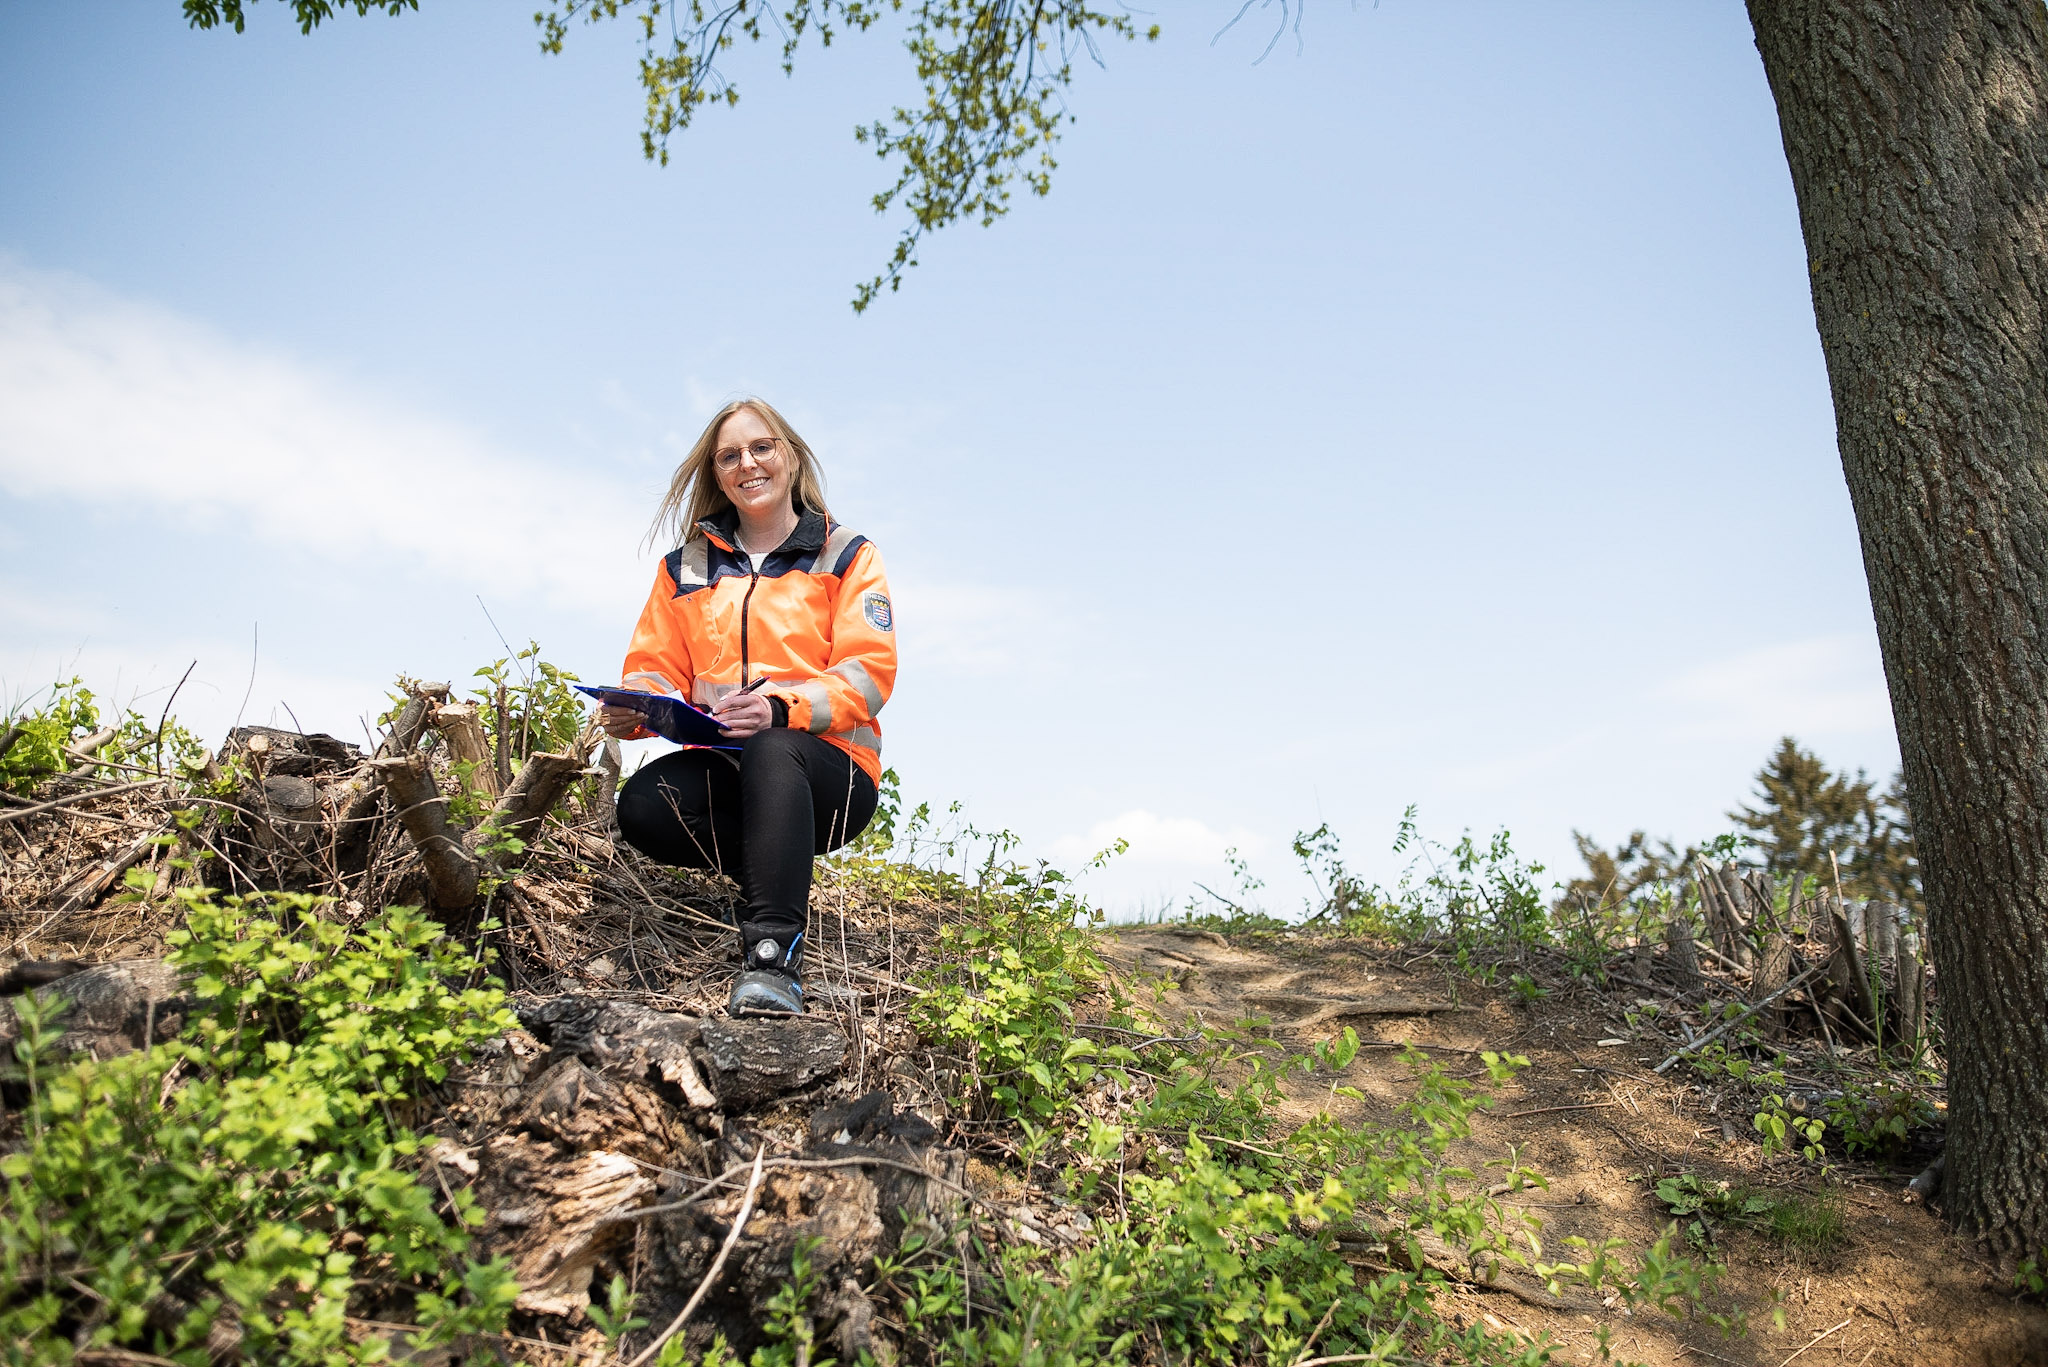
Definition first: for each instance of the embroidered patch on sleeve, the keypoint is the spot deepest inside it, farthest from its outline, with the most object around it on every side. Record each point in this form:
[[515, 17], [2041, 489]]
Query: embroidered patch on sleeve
[[875, 607]]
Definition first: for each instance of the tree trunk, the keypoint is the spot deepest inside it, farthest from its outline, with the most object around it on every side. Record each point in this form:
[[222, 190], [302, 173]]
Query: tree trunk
[[1917, 134]]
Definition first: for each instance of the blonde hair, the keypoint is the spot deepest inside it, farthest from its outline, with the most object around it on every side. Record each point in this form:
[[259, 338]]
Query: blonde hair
[[693, 494]]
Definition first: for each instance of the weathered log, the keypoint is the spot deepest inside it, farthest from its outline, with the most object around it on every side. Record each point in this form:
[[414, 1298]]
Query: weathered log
[[554, 1215], [624, 1040], [294, 754], [111, 1008], [756, 1061], [8, 737], [463, 729]]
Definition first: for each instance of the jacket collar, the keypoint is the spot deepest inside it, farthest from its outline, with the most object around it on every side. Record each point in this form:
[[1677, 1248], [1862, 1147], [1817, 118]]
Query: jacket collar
[[811, 530]]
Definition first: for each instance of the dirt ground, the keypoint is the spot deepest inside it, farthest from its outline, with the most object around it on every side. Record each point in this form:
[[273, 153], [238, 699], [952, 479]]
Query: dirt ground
[[1900, 1291]]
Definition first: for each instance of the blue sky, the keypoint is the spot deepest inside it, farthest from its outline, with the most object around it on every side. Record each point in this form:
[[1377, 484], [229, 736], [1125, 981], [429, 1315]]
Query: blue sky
[[1432, 416]]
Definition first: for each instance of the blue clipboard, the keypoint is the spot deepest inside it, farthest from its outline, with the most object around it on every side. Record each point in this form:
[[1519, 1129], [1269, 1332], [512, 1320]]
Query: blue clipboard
[[670, 718]]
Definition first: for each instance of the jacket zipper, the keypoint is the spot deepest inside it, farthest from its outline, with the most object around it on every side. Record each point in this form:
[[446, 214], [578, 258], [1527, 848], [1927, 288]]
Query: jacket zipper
[[753, 578]]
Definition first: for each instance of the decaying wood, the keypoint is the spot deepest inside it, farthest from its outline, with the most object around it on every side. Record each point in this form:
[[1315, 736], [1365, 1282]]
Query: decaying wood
[[754, 1061], [739, 1223], [110, 1009], [72, 799], [8, 737]]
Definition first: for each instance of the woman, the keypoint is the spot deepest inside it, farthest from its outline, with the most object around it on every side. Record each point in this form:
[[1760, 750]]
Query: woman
[[765, 586]]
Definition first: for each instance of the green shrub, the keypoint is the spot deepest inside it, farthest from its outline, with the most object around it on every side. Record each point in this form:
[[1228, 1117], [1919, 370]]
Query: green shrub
[[251, 1174], [71, 713], [542, 711], [1875, 1120], [1004, 987], [1242, 1254]]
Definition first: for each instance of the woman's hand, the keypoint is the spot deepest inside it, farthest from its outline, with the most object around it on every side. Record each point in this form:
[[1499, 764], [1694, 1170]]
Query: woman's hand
[[742, 714], [620, 722]]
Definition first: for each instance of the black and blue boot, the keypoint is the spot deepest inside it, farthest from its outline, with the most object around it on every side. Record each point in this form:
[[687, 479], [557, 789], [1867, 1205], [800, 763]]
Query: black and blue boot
[[769, 984]]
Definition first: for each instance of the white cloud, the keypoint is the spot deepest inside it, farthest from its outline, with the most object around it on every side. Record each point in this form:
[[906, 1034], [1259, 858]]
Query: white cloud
[[1825, 686], [109, 402], [1156, 839]]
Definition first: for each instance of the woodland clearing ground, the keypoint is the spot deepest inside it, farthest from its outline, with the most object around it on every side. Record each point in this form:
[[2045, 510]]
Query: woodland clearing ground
[[1070, 1098], [1912, 1293]]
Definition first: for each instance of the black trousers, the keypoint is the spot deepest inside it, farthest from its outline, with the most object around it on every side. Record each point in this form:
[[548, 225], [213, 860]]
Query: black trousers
[[790, 798]]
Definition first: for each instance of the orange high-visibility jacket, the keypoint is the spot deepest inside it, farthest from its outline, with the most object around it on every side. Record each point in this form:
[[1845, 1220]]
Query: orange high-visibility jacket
[[816, 620]]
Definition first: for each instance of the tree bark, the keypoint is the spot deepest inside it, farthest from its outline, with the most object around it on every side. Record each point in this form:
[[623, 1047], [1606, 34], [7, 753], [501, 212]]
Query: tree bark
[[1917, 136]]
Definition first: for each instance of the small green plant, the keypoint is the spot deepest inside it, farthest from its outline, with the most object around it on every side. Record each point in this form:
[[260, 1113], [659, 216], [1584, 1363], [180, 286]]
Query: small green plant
[[1688, 1194], [615, 1318], [38, 748], [1876, 1120], [2032, 1277], [1525, 990], [1782, 1128], [529, 705], [1811, 1227], [219, 1173]]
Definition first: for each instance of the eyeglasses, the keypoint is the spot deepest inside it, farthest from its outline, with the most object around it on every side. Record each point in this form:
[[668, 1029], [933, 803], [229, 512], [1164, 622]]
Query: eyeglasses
[[762, 450]]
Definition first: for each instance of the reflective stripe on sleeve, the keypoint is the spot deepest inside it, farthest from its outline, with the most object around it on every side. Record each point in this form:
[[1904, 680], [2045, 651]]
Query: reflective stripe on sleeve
[[647, 681], [856, 673], [689, 565], [865, 738], [820, 699], [837, 549]]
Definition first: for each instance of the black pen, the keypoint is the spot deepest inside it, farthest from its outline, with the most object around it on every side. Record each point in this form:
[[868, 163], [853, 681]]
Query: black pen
[[737, 693]]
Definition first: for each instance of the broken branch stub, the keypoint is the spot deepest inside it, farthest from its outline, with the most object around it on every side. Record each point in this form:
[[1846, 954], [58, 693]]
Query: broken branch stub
[[463, 729], [451, 869], [457, 858]]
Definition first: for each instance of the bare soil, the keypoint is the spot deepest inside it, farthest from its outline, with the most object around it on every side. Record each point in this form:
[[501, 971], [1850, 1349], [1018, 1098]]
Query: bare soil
[[1900, 1290]]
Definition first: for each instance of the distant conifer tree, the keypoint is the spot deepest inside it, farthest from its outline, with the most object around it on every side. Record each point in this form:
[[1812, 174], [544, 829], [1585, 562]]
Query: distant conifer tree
[[1803, 813]]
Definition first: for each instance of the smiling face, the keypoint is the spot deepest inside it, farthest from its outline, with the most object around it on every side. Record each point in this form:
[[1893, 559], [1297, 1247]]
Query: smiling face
[[757, 485]]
